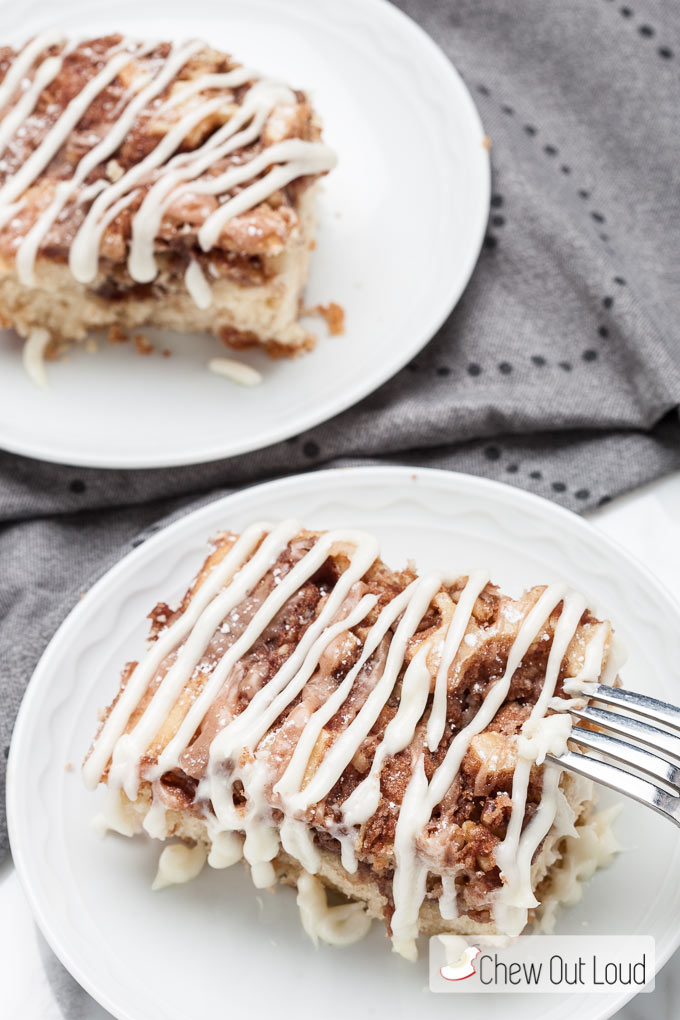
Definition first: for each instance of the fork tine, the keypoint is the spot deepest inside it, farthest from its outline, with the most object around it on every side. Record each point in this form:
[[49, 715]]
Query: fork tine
[[628, 754], [640, 704], [617, 779], [659, 740]]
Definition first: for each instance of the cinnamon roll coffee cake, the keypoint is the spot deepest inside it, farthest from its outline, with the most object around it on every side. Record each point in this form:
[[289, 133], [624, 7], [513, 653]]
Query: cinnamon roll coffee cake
[[146, 182], [343, 726]]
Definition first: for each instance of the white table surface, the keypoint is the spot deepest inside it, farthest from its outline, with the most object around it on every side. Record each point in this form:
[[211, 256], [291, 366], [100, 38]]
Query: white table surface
[[33, 984]]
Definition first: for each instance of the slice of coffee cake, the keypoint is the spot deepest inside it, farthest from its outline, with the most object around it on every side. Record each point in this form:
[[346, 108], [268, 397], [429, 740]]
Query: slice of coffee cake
[[153, 183], [337, 723]]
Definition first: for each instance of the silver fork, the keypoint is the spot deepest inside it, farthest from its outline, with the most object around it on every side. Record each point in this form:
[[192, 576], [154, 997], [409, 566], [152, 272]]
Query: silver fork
[[661, 760]]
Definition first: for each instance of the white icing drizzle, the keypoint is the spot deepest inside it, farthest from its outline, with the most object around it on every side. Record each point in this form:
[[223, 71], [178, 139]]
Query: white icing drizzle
[[225, 850], [179, 863], [117, 816], [228, 80], [297, 840], [175, 172], [540, 735], [466, 604], [399, 733], [46, 72], [130, 747], [155, 822], [515, 854], [414, 601], [197, 285], [33, 355], [339, 926], [410, 872], [15, 185], [84, 252], [298, 157], [237, 371], [119, 716], [235, 754], [591, 671], [243, 128], [409, 878], [28, 248], [246, 730], [265, 707], [24, 61], [594, 669], [448, 901]]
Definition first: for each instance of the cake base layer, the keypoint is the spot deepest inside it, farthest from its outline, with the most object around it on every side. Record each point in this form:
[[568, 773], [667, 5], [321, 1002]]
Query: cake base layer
[[242, 313]]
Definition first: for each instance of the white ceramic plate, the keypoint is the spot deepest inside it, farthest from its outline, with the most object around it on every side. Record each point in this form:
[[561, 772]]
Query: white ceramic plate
[[147, 956], [401, 223]]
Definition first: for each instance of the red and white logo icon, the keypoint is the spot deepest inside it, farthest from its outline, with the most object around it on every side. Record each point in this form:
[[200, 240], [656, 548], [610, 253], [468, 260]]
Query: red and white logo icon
[[462, 968]]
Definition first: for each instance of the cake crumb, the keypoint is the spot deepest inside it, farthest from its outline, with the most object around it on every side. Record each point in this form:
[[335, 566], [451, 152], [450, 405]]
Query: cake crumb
[[91, 346], [142, 344], [333, 313], [116, 335], [69, 766], [167, 353], [275, 349], [486, 143]]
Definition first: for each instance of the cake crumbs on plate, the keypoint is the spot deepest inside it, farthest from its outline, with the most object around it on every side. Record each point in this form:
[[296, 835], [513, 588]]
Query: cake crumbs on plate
[[486, 143], [115, 334], [143, 345], [332, 313]]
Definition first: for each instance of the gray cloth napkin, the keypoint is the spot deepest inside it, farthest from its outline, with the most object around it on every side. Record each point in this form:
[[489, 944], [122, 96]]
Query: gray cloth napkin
[[559, 371]]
